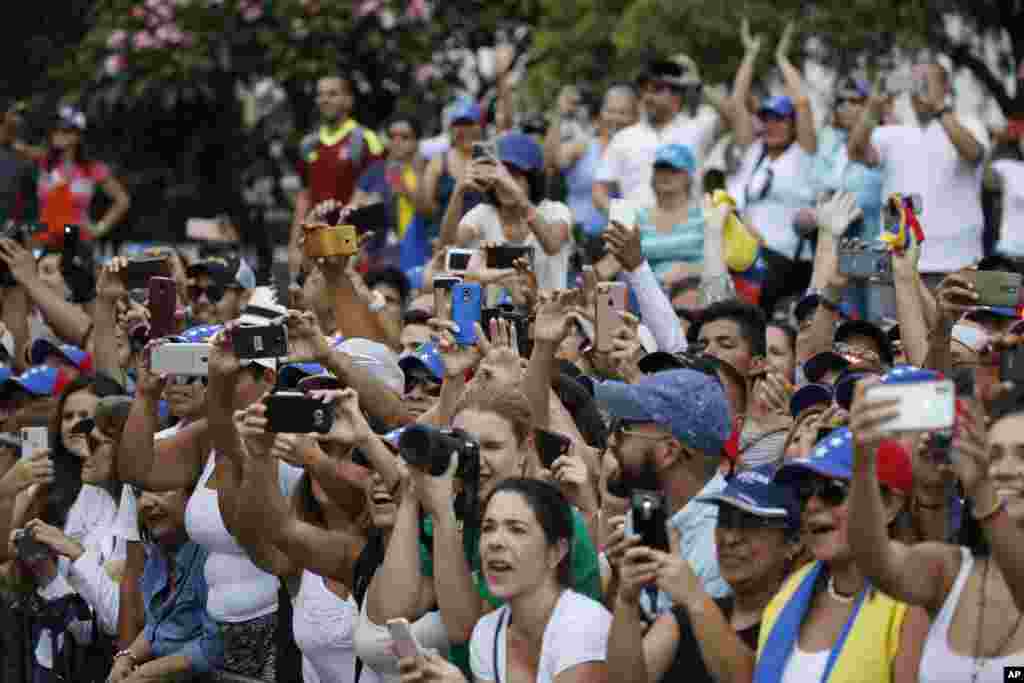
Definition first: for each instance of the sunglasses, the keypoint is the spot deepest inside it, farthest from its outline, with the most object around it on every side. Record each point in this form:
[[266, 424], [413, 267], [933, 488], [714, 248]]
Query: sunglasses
[[621, 427], [431, 387], [214, 293], [730, 517], [831, 492]]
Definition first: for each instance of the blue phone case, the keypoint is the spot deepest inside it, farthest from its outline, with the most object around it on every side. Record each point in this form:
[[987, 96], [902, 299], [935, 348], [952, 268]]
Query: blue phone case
[[467, 300]]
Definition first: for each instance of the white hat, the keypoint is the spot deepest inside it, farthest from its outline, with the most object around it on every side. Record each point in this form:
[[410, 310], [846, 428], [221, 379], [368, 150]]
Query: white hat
[[377, 359]]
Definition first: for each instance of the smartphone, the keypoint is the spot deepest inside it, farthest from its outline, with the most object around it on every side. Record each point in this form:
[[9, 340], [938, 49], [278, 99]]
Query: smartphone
[[997, 288], [163, 304], [293, 412], [263, 341], [443, 296], [648, 519], [458, 260], [467, 307], [1011, 365], [33, 440], [203, 230], [622, 211], [923, 406], [506, 255], [912, 84], [330, 240], [138, 271], [368, 218], [112, 413], [405, 642], [551, 446], [864, 261], [485, 150], [28, 549], [192, 360], [610, 302]]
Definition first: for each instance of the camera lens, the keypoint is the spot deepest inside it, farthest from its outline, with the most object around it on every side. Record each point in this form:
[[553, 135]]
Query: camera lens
[[431, 449]]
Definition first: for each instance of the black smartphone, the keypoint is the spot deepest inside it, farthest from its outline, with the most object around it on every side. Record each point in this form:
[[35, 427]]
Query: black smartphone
[[1011, 365], [649, 519], [551, 446], [28, 549], [369, 218], [70, 249], [264, 341], [138, 271], [292, 412], [505, 255]]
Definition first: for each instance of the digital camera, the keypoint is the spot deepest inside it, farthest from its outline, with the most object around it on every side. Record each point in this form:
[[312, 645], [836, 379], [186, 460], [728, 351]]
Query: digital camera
[[861, 260]]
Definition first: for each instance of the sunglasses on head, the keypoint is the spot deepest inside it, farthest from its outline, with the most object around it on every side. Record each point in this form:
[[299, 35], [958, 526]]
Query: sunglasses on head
[[730, 517], [831, 492]]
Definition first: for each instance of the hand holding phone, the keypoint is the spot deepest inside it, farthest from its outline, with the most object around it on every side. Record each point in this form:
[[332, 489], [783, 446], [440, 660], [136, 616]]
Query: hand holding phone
[[293, 412], [551, 446], [923, 406], [163, 305], [263, 341], [467, 301], [406, 645], [648, 519], [33, 440]]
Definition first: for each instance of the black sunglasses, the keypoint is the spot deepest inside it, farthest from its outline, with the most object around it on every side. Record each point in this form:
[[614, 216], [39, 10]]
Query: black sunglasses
[[831, 492], [214, 293], [730, 517], [431, 387]]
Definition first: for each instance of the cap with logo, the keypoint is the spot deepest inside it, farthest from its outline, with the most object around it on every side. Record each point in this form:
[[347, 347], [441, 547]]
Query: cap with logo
[[39, 380], [43, 348], [832, 457], [227, 271], [779, 105], [427, 357], [754, 492], [377, 359]]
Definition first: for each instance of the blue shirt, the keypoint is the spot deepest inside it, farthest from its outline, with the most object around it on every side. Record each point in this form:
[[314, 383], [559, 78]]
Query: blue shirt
[[833, 170], [177, 623], [580, 180], [663, 250]]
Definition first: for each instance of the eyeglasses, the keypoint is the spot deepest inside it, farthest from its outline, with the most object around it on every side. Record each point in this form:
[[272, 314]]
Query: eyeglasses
[[730, 517], [857, 355], [185, 380], [847, 101], [831, 492], [431, 387], [214, 293], [620, 428]]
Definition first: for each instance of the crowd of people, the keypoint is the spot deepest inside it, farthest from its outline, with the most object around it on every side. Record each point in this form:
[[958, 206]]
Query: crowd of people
[[604, 400]]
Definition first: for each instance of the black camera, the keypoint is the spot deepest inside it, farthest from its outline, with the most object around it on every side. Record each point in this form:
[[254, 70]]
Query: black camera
[[649, 519], [292, 412], [430, 449], [264, 341], [860, 260], [28, 548]]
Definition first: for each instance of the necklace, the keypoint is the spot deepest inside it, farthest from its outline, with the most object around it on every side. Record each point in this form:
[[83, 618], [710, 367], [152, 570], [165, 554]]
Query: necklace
[[836, 595], [979, 659]]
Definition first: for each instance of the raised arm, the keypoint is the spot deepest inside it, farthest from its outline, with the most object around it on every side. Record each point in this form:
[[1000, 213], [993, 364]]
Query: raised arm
[[859, 147], [806, 135], [743, 119], [121, 202], [552, 325], [109, 290]]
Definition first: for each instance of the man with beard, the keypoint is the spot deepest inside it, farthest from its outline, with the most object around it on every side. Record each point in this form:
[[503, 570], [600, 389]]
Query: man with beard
[[669, 433], [219, 288]]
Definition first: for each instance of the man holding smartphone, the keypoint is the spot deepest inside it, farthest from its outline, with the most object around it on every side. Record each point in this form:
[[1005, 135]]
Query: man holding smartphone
[[219, 288]]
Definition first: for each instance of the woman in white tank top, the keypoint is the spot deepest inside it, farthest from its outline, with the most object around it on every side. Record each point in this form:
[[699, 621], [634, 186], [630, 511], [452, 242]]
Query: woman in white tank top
[[974, 595]]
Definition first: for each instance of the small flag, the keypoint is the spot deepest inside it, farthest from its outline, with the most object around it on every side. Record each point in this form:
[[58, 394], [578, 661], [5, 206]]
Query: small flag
[[901, 223]]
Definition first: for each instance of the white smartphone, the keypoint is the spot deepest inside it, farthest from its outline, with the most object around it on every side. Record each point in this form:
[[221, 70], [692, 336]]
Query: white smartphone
[[405, 641], [924, 406], [181, 359], [622, 211], [203, 230], [458, 260], [33, 440]]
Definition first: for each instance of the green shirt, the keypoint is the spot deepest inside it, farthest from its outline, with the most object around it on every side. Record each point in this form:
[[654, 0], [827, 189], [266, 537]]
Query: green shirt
[[584, 565]]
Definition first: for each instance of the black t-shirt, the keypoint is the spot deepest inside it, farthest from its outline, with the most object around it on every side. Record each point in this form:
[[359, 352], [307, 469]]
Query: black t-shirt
[[688, 664]]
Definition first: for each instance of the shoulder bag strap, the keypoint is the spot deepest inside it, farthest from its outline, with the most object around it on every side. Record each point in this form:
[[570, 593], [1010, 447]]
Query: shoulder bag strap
[[494, 656]]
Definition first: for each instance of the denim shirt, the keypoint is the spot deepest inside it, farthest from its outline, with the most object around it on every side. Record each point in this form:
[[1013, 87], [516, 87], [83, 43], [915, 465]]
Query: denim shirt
[[177, 623], [833, 170]]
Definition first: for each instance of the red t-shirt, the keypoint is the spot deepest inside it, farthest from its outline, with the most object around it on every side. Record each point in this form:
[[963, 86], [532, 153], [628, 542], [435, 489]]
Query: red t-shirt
[[65, 193], [332, 161]]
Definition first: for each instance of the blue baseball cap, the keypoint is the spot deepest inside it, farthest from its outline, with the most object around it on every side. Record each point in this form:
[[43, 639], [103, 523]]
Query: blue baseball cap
[[909, 374], [293, 373], [846, 384], [465, 111], [832, 457], [425, 356], [200, 334], [754, 492], [42, 348], [818, 365], [5, 373], [521, 151], [780, 106], [809, 395], [392, 437], [39, 380], [676, 157], [691, 404]]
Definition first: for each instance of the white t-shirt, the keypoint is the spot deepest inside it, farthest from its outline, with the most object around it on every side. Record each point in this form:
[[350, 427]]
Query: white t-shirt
[[770, 192], [1011, 232], [923, 160], [577, 633], [375, 647], [629, 158], [552, 270]]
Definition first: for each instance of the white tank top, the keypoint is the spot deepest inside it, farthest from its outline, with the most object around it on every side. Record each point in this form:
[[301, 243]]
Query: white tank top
[[939, 664], [239, 591], [324, 627], [805, 667]]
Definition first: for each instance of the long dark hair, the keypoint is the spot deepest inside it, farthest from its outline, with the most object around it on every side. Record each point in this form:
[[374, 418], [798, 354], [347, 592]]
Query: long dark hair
[[67, 467]]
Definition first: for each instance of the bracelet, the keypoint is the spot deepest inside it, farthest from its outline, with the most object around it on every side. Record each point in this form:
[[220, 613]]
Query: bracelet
[[129, 655], [996, 509]]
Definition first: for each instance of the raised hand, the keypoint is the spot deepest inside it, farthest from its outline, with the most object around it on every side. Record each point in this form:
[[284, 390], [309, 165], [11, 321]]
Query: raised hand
[[971, 458], [837, 213], [867, 418], [457, 359], [555, 317], [55, 539], [639, 567], [110, 286], [627, 350], [956, 295], [350, 426], [477, 270], [306, 341], [785, 43], [751, 43], [18, 259], [37, 469], [223, 362], [252, 427], [571, 474], [624, 244]]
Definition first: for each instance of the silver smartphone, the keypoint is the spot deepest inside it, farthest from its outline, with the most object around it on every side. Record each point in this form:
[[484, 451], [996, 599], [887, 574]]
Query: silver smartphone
[[923, 406], [181, 359], [33, 440], [405, 642]]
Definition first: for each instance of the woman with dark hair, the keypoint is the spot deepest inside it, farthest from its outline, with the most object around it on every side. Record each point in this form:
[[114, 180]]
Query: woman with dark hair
[[68, 179], [973, 592]]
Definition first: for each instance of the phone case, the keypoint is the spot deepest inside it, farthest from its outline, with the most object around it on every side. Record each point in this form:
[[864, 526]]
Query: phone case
[[505, 255], [443, 296], [138, 272], [997, 288], [33, 439], [163, 303], [265, 341], [467, 299], [292, 412], [403, 638], [611, 299], [924, 406], [181, 359], [332, 240], [648, 519], [551, 446]]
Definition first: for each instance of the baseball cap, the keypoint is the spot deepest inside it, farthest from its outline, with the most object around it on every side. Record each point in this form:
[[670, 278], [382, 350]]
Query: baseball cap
[[293, 373], [521, 151], [909, 374], [38, 380], [465, 111], [377, 359], [199, 334], [6, 344], [226, 270], [425, 356], [677, 157], [819, 364], [71, 117], [779, 105], [679, 71], [754, 492], [832, 457], [809, 303], [863, 328], [809, 395], [42, 348], [691, 404], [659, 361], [5, 374]]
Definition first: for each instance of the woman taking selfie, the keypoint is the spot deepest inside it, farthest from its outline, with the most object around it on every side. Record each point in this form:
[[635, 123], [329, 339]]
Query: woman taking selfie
[[973, 593], [827, 623]]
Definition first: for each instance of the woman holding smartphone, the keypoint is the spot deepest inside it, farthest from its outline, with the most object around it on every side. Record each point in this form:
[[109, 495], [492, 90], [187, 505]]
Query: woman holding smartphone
[[973, 592]]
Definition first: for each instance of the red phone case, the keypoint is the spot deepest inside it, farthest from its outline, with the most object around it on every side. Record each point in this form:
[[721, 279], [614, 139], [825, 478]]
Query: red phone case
[[163, 303]]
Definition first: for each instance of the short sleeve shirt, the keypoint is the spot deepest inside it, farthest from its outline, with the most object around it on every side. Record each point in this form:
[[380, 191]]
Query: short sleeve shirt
[[331, 161], [65, 191]]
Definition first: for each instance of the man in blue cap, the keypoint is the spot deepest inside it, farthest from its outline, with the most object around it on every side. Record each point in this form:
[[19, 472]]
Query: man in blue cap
[[424, 373], [669, 435]]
